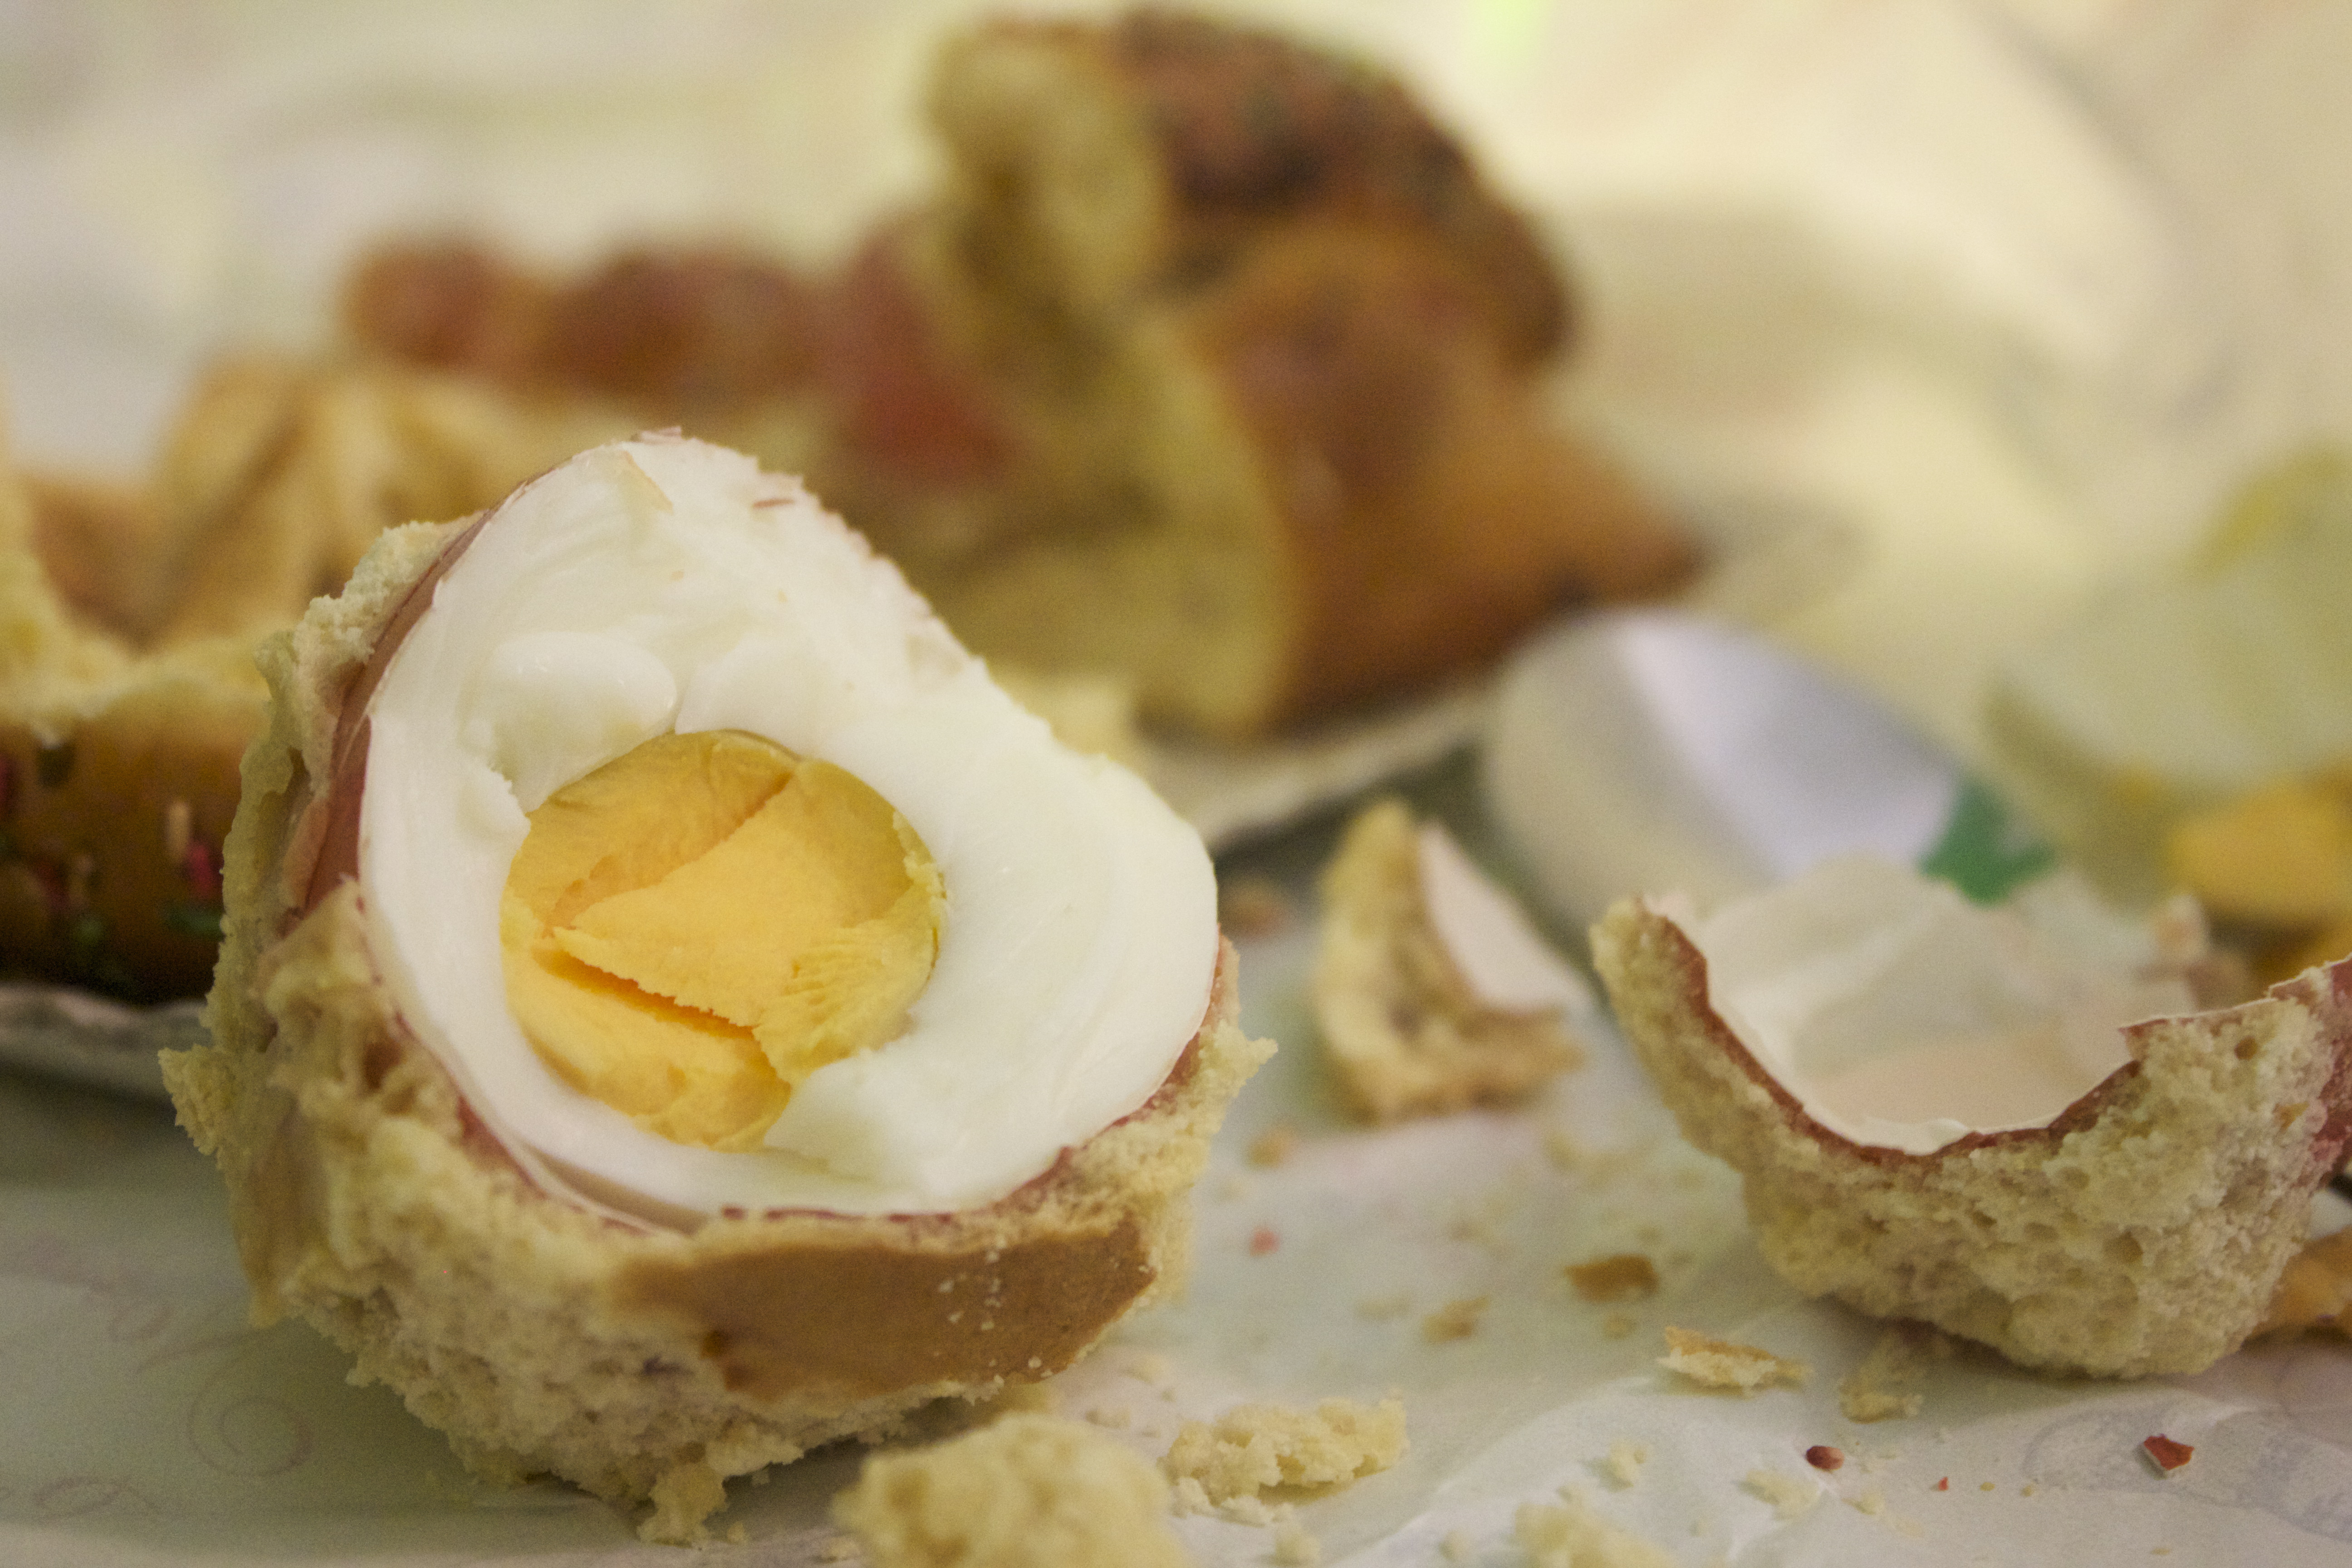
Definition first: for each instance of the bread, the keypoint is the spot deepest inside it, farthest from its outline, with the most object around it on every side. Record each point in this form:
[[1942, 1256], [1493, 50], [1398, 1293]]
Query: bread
[[638, 1352], [1027, 1491], [1212, 363], [1405, 1031], [2141, 1231], [118, 773], [1252, 1449], [127, 687]]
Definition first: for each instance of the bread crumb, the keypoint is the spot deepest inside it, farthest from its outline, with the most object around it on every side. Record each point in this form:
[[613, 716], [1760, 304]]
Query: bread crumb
[[839, 1549], [1457, 1546], [1626, 1460], [738, 1535], [1574, 1536], [1031, 1489], [1275, 1145], [1879, 1388], [1456, 1319], [1405, 1026], [683, 1498], [1294, 1548], [1619, 1325], [1115, 1417], [1985, 1487], [1381, 1308], [1253, 1448], [1252, 904], [1038, 1398], [1151, 1367], [2028, 1490], [1622, 1276], [1791, 1496], [1871, 1502], [1234, 1188], [1723, 1364]]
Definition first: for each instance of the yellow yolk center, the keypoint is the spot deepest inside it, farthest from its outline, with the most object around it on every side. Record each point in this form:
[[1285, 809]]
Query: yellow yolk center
[[694, 928]]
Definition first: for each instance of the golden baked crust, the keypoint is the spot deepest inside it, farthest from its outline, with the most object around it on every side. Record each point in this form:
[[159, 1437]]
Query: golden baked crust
[[1211, 363], [638, 1362], [2143, 1230], [127, 617], [1402, 1030], [118, 773]]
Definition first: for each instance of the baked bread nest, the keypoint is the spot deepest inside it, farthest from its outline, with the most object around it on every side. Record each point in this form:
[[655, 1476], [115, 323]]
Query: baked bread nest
[[2141, 1230], [1212, 361], [127, 618], [636, 1358]]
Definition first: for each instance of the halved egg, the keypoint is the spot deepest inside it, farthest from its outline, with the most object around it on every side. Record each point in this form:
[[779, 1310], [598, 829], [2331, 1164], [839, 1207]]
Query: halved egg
[[676, 1009], [2019, 1124]]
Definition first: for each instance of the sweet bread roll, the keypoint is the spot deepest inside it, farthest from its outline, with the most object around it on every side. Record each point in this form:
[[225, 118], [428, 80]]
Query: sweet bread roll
[[118, 773], [637, 1048], [127, 687], [1212, 363]]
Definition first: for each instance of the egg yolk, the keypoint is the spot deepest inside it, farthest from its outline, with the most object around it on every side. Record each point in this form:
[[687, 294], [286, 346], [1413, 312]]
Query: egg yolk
[[694, 928]]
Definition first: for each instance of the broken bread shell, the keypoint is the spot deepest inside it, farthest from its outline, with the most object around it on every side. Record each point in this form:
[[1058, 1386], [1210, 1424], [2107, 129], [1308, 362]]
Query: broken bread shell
[[641, 1316], [1432, 989], [2138, 1225]]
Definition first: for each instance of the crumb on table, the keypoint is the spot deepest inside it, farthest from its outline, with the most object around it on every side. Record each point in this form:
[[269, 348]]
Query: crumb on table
[[1573, 1535], [1252, 1448], [1791, 1496], [1724, 1364], [1620, 1276], [1457, 1320], [1275, 1145]]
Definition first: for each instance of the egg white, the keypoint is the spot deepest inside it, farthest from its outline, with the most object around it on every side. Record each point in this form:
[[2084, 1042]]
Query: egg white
[[662, 584]]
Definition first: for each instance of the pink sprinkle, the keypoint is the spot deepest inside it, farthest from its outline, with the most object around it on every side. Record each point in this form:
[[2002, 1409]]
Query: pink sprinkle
[[1263, 1240], [2168, 1454], [201, 867]]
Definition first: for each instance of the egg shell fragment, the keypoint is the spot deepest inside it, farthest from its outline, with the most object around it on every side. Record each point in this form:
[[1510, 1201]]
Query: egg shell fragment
[[2142, 1230], [547, 1333]]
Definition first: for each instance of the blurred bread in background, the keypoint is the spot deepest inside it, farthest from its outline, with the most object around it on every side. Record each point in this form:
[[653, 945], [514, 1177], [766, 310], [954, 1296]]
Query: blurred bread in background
[[1211, 363]]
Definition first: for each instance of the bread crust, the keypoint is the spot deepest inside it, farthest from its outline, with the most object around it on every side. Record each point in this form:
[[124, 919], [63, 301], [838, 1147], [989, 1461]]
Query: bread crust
[[2141, 1231], [118, 773], [1405, 1033], [636, 1361], [1212, 361]]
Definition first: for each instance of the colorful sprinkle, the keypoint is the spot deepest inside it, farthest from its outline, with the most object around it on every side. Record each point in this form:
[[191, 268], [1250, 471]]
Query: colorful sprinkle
[[200, 864]]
